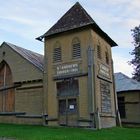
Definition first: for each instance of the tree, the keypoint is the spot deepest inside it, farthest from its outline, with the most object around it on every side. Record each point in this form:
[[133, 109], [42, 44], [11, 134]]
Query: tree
[[136, 53]]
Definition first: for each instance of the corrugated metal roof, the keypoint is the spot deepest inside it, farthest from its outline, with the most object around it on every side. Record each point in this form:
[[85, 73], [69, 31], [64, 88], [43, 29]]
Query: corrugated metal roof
[[34, 58], [125, 83], [76, 17]]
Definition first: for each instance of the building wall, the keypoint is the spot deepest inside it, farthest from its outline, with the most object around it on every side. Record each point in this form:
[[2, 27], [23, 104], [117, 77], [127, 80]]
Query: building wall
[[13, 119], [28, 98], [88, 38], [107, 118], [27, 85], [132, 106], [28, 105], [22, 69]]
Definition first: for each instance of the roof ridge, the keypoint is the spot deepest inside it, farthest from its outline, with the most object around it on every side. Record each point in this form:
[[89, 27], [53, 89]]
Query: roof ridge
[[124, 76], [23, 48], [125, 83], [88, 15]]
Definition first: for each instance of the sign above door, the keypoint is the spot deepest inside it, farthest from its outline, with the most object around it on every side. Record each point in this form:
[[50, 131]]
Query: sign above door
[[67, 69]]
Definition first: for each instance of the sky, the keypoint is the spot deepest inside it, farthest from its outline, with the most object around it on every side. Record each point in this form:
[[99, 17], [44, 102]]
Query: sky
[[21, 21]]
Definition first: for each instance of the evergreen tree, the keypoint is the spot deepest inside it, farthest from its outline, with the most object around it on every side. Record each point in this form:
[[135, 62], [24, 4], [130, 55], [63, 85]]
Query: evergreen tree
[[136, 52]]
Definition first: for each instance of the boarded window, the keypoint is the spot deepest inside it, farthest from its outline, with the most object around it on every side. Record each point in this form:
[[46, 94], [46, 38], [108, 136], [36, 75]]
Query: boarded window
[[99, 52], [6, 93], [57, 53], [105, 97], [76, 48], [121, 106], [67, 88]]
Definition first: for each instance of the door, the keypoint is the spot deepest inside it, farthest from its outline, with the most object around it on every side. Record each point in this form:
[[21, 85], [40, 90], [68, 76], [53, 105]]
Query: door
[[7, 94], [62, 112], [72, 112], [67, 102], [68, 112]]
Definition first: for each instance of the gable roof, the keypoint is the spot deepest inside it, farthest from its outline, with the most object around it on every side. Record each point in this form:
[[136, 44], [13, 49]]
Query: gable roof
[[124, 83], [34, 58], [76, 17]]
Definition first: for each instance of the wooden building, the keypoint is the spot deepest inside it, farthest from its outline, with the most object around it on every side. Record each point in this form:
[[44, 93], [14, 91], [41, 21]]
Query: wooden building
[[21, 86], [128, 92], [78, 74]]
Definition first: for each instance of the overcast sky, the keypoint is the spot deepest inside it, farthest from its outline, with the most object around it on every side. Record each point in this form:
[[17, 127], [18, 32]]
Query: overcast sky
[[21, 21]]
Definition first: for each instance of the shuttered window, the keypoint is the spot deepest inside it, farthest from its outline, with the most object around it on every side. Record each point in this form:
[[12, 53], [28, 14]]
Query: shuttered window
[[76, 52], [107, 57], [57, 54], [76, 48], [99, 52]]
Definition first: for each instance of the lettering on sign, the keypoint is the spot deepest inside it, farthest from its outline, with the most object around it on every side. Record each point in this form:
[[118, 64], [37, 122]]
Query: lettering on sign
[[71, 107], [104, 71], [105, 97], [67, 69]]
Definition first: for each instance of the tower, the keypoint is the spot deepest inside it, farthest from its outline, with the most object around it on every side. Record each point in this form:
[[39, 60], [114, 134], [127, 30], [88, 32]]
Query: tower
[[78, 73]]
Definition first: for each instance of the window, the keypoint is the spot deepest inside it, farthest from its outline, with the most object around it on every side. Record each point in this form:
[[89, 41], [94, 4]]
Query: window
[[121, 107], [105, 97], [76, 48], [67, 88], [57, 53], [99, 52], [107, 57]]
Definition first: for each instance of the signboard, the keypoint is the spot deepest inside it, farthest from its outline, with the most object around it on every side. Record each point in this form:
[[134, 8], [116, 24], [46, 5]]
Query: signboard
[[71, 107], [67, 69], [105, 97], [104, 71]]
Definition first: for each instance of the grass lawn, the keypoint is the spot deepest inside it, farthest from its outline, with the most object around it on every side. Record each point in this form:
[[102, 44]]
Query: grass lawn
[[27, 132]]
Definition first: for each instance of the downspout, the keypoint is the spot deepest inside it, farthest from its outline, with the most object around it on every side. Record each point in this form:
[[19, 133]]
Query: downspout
[[90, 80], [45, 83], [93, 109], [45, 86]]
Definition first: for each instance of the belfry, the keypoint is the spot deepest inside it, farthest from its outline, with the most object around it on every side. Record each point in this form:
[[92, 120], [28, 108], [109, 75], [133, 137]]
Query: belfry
[[78, 74]]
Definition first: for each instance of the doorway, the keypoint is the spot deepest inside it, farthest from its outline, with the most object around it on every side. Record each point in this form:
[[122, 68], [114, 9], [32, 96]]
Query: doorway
[[7, 95], [68, 102]]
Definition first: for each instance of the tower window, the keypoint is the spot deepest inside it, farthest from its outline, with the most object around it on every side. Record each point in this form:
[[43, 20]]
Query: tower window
[[99, 52], [107, 57], [57, 56], [3, 53], [76, 48]]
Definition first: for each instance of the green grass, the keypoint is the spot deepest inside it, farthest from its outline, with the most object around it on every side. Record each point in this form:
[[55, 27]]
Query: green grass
[[27, 132]]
